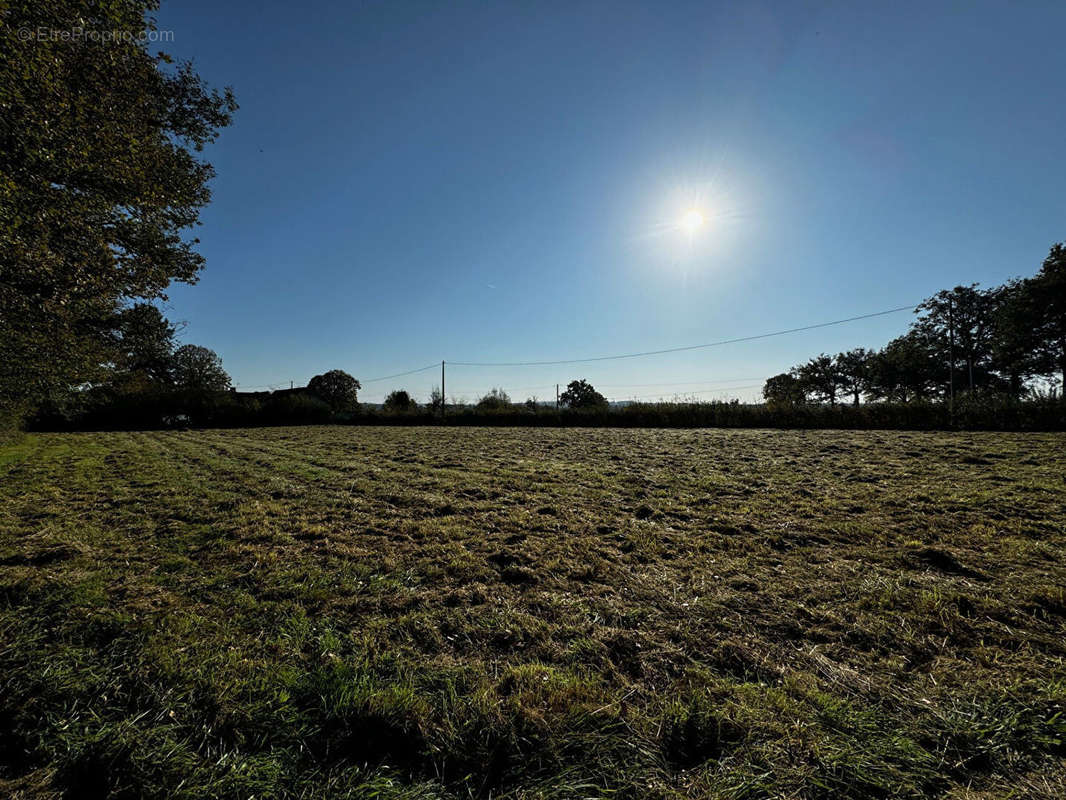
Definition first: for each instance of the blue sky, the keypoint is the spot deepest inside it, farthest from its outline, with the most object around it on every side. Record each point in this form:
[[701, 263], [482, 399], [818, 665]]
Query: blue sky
[[409, 182]]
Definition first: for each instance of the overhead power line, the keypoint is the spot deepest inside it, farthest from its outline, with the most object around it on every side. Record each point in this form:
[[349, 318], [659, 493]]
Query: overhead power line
[[719, 343], [361, 381], [678, 349], [703, 386], [723, 390], [678, 383], [401, 374]]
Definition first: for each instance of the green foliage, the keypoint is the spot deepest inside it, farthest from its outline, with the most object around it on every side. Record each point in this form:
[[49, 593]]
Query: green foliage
[[291, 408], [854, 369], [99, 180], [965, 315], [990, 341], [399, 400], [821, 377], [101, 410], [1048, 293], [581, 394], [784, 390], [198, 369], [144, 350], [494, 400], [13, 412], [907, 369], [337, 388], [1018, 350]]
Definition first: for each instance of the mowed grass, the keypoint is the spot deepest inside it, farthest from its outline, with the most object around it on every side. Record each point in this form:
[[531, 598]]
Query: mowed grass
[[457, 613]]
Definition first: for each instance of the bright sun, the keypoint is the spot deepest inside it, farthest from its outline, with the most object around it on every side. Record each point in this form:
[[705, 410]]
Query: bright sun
[[692, 221]]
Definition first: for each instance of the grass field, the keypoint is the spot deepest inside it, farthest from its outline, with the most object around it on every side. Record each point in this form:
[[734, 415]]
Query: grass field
[[433, 612]]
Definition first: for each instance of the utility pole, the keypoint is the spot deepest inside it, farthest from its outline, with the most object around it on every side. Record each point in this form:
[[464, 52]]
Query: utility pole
[[442, 389], [951, 366], [556, 397]]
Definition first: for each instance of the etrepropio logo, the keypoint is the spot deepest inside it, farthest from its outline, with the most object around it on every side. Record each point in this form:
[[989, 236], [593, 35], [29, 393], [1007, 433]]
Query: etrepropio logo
[[44, 33]]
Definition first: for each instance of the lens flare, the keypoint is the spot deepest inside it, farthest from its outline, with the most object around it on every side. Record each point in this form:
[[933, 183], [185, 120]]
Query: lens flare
[[692, 221]]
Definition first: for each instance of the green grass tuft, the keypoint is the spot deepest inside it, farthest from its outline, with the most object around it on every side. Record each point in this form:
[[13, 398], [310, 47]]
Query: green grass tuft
[[533, 613]]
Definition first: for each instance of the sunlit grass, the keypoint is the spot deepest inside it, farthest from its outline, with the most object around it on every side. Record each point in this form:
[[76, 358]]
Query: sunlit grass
[[323, 612]]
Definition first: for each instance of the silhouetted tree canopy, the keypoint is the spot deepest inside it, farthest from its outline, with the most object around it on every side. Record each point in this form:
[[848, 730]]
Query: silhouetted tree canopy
[[784, 389], [1016, 352], [967, 315], [399, 400], [1048, 293], [907, 368], [99, 179], [821, 377], [199, 369], [144, 349], [581, 394], [494, 399], [337, 388], [854, 370], [965, 339]]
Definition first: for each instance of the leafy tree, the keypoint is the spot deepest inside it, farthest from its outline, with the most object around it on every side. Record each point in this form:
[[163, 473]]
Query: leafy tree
[[99, 178], [1000, 337], [821, 377], [853, 370], [785, 389], [581, 394], [493, 400], [199, 369], [966, 315], [1019, 348], [1048, 293], [907, 368], [144, 349], [337, 388], [399, 400]]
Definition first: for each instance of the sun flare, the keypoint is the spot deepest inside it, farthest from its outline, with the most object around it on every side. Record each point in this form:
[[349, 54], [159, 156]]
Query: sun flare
[[692, 221]]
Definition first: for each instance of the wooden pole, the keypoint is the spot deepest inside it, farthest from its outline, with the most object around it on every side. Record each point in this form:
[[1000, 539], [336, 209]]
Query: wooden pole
[[951, 366]]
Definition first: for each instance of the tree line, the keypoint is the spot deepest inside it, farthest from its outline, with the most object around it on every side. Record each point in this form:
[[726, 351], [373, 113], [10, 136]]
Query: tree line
[[1008, 341], [998, 352], [338, 390], [101, 179]]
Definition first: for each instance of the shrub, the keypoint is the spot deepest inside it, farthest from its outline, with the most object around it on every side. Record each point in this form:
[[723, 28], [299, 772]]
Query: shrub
[[399, 400], [494, 400], [297, 408]]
